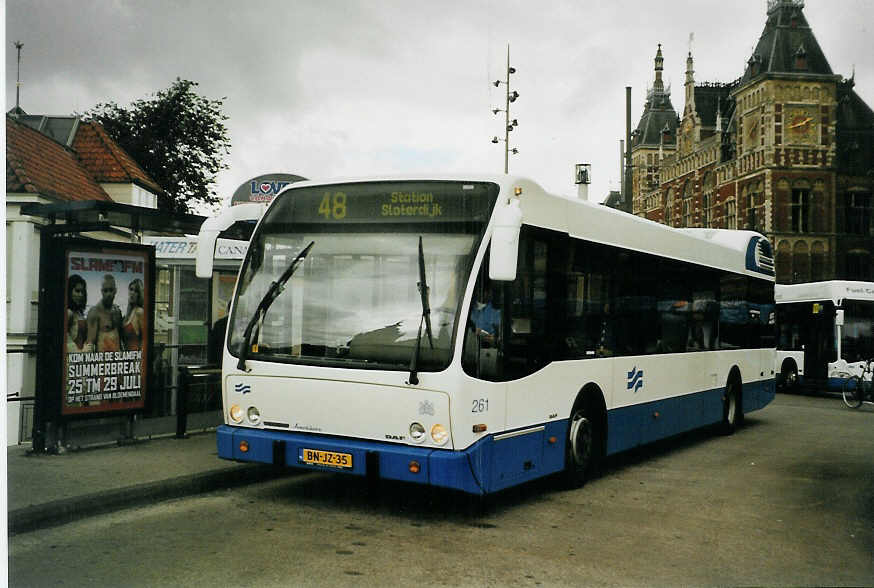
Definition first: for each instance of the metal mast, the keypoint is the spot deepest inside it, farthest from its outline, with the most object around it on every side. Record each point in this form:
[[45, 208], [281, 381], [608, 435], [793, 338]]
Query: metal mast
[[18, 45], [509, 125]]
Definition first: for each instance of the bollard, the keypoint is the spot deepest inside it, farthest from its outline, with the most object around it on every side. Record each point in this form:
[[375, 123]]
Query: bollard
[[182, 402]]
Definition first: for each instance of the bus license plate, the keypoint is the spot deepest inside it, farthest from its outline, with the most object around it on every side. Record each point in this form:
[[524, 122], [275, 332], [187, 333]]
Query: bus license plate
[[326, 458]]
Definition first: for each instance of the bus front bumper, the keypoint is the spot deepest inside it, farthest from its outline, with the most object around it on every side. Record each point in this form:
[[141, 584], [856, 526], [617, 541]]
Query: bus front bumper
[[437, 467]]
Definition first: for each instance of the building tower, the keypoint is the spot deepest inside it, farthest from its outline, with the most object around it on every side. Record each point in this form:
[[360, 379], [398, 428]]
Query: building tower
[[653, 138], [787, 150]]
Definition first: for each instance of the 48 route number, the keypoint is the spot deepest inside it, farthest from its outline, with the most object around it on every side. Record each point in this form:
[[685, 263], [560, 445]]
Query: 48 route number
[[333, 206]]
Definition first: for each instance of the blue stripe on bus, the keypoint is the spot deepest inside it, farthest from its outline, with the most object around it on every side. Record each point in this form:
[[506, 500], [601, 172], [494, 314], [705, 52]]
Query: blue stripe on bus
[[639, 424], [492, 464]]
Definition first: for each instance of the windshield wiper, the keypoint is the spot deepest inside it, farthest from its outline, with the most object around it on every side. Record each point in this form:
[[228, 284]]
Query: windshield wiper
[[272, 294], [426, 317]]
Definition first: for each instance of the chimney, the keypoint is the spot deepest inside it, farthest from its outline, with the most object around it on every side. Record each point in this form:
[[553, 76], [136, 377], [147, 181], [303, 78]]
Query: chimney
[[582, 178]]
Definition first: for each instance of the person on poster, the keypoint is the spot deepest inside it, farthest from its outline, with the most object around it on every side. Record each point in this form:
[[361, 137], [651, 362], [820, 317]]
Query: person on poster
[[104, 320], [77, 326], [134, 320]]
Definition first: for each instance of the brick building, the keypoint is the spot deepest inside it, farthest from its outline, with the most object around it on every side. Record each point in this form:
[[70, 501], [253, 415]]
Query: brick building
[[787, 149]]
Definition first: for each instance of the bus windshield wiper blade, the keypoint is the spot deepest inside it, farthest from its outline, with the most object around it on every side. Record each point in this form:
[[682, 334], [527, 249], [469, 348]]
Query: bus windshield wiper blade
[[426, 317], [272, 294]]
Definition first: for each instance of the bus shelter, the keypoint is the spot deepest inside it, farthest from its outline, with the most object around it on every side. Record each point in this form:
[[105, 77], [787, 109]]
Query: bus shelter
[[180, 310]]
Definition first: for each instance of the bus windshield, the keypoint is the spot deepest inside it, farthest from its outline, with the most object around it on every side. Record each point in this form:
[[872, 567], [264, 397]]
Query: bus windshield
[[857, 335], [354, 300]]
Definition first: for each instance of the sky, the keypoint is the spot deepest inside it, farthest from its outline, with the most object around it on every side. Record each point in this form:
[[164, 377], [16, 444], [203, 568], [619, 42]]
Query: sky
[[340, 88]]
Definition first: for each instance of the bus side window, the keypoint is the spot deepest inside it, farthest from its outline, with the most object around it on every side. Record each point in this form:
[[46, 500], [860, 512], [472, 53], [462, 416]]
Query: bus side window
[[484, 329]]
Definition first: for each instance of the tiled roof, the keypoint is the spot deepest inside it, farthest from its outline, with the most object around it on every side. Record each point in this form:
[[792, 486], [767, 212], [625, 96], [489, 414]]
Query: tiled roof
[[37, 164], [106, 161], [658, 113], [786, 35]]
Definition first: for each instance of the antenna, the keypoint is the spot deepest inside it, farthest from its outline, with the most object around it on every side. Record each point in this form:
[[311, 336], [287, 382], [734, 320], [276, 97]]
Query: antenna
[[691, 39]]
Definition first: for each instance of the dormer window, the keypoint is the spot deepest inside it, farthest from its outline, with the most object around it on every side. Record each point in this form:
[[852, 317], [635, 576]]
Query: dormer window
[[755, 64], [801, 58]]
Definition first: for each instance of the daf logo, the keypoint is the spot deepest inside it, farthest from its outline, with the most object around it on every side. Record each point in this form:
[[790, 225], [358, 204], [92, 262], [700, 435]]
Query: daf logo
[[395, 437]]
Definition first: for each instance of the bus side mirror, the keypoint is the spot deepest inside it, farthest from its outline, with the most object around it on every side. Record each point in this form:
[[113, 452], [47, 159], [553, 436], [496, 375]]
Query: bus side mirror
[[504, 250], [211, 227], [839, 318], [205, 252]]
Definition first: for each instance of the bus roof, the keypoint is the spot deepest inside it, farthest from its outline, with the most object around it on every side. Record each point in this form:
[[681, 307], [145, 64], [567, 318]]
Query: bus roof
[[834, 290], [745, 252]]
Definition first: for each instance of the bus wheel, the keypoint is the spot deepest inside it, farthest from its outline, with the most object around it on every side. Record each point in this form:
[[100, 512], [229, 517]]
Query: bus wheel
[[789, 376], [731, 408], [580, 453]]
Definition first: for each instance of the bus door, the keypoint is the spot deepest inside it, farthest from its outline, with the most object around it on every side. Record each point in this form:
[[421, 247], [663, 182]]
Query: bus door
[[819, 348]]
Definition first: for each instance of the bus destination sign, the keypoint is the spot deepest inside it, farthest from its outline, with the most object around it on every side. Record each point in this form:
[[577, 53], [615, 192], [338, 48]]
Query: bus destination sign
[[356, 203]]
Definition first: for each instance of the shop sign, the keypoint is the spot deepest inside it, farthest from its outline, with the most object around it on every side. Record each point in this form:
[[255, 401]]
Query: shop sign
[[186, 248]]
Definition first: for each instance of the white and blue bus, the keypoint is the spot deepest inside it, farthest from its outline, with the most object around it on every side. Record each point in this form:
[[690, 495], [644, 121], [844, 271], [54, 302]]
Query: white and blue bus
[[476, 334], [825, 332]]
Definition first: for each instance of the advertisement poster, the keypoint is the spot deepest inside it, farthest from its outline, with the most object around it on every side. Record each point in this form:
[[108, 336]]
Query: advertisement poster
[[106, 330]]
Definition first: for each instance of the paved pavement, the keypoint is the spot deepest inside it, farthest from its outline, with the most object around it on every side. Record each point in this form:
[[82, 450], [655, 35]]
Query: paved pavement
[[48, 490]]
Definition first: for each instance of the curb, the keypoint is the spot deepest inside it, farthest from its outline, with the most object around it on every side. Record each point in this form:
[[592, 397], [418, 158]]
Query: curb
[[60, 512]]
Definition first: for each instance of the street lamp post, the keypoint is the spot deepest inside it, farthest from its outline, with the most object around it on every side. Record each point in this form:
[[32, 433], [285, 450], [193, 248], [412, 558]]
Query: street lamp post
[[508, 124]]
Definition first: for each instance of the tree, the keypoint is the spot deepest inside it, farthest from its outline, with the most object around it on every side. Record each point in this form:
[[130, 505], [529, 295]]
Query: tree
[[178, 137]]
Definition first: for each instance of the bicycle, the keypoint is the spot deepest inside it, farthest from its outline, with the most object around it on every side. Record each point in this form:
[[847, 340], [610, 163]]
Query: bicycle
[[859, 389]]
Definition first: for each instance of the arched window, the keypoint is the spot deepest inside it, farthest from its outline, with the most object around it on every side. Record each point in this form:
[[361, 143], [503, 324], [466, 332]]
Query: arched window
[[755, 209], [800, 206], [707, 198], [783, 263], [669, 205], [730, 214], [800, 263], [859, 213], [688, 221], [817, 261]]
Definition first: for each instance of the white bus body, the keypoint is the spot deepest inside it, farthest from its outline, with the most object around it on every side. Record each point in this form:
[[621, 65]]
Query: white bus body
[[825, 331], [328, 382]]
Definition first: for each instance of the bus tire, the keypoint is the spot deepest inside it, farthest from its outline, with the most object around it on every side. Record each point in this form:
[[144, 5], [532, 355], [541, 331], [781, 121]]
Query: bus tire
[[852, 392], [583, 448], [789, 376], [732, 407]]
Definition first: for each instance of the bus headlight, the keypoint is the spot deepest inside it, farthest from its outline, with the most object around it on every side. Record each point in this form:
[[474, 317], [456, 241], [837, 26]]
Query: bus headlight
[[439, 434], [417, 432], [253, 415], [236, 413]]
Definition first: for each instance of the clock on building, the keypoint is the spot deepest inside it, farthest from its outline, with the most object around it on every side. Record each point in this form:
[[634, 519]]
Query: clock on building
[[801, 124]]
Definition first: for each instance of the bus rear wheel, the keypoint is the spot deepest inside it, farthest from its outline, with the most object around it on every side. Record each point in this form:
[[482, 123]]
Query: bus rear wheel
[[789, 377], [581, 453], [731, 408]]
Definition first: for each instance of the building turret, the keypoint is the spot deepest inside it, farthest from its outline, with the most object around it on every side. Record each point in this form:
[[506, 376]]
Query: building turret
[[690, 86], [658, 85]]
